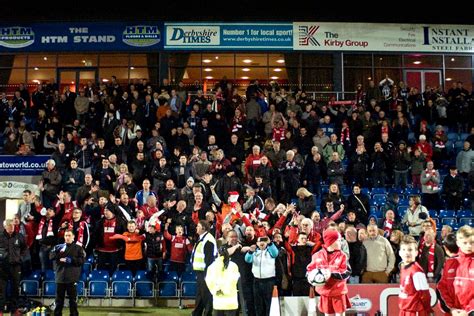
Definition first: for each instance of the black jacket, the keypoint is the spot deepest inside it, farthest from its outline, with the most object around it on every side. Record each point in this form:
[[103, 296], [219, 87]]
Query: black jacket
[[69, 271], [45, 239], [154, 245], [362, 210], [358, 257], [14, 247]]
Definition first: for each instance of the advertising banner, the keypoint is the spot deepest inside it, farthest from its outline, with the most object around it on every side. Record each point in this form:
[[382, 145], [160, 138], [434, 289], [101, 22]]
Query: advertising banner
[[366, 300], [369, 299], [14, 190], [228, 36], [63, 37], [323, 36], [22, 165]]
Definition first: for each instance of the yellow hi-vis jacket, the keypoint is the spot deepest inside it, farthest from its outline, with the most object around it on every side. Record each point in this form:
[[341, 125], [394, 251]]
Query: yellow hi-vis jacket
[[198, 255], [222, 284]]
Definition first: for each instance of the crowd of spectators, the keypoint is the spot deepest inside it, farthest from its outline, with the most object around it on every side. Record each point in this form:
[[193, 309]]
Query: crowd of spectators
[[134, 169]]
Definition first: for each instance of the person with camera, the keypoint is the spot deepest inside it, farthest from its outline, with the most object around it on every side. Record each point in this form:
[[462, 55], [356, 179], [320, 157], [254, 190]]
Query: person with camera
[[12, 250], [69, 258], [262, 259]]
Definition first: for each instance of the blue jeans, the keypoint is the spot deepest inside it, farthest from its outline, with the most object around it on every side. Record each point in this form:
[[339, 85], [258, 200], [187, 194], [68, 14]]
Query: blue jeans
[[262, 289], [400, 178], [154, 265]]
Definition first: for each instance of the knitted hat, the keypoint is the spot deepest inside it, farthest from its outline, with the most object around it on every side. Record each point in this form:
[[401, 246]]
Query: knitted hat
[[233, 196], [190, 179], [330, 236], [111, 207]]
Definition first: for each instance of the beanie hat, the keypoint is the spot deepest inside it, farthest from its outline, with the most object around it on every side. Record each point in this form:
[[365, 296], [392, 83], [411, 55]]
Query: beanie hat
[[111, 207], [233, 196], [330, 236], [190, 179]]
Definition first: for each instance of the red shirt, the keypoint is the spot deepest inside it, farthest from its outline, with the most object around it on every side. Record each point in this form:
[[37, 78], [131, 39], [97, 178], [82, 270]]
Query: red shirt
[[445, 286], [336, 262], [180, 245], [414, 289], [464, 282], [110, 245]]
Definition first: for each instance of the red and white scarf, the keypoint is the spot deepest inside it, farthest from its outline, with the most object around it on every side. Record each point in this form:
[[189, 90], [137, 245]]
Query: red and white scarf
[[431, 185], [431, 259], [79, 233], [140, 222], [50, 232], [345, 136], [388, 227]]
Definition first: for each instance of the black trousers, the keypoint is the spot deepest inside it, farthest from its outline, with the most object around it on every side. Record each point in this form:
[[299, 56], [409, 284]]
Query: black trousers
[[262, 289], [12, 273], [61, 289], [203, 303], [247, 291], [300, 287]]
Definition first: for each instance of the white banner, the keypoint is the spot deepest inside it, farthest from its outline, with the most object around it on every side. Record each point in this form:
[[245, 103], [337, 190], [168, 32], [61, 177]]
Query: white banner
[[14, 190], [383, 37]]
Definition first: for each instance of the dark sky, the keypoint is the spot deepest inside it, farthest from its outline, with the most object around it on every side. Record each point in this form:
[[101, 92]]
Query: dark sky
[[240, 10]]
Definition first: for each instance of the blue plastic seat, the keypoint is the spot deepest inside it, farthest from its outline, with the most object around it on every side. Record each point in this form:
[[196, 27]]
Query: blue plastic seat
[[396, 190], [188, 289], [80, 288], [401, 210], [34, 275], [49, 275], [189, 267], [404, 202], [465, 213], [379, 191], [466, 221], [169, 276], [144, 289], [167, 289], [458, 146], [451, 221], [30, 287], [90, 259], [122, 275], [365, 191], [433, 213], [98, 288], [49, 288], [453, 137], [87, 267], [446, 213], [412, 191], [142, 275], [121, 289], [188, 276], [377, 214], [99, 275], [166, 267], [373, 203], [324, 189]]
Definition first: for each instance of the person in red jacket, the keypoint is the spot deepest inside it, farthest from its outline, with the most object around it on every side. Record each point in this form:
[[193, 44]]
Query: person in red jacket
[[464, 280], [334, 265], [414, 298], [445, 288]]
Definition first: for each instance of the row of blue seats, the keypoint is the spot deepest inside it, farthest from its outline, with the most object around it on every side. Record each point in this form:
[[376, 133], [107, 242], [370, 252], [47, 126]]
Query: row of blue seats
[[119, 275], [118, 289], [371, 192], [121, 284]]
